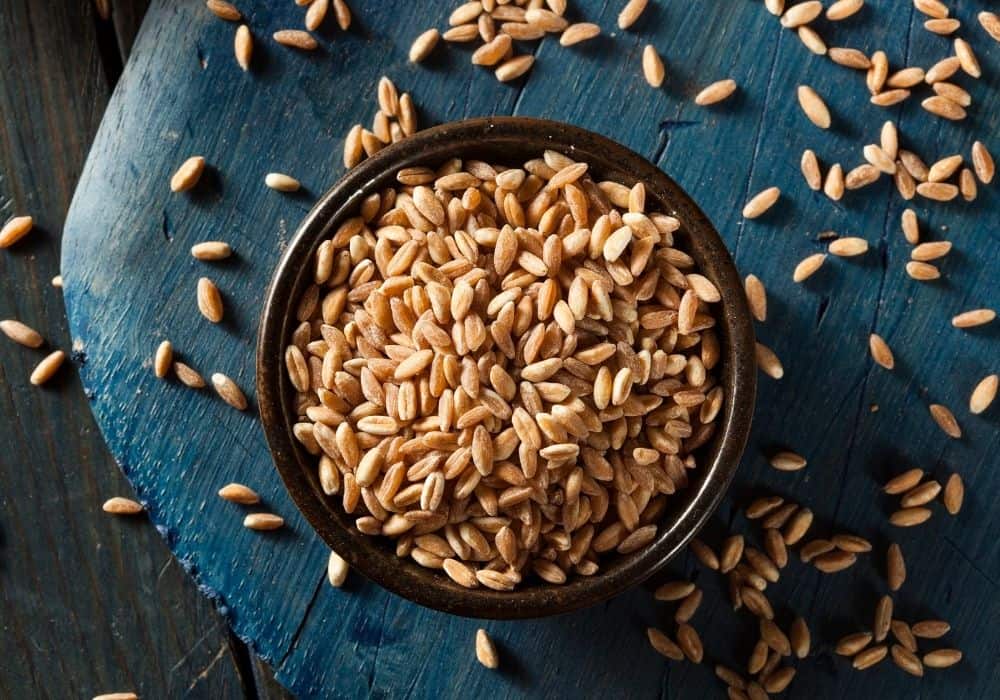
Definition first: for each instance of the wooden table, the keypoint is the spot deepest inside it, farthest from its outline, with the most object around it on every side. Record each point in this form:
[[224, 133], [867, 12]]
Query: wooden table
[[88, 603], [130, 283]]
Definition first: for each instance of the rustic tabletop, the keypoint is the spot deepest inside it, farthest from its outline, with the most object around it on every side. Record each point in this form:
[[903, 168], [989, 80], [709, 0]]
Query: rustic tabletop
[[74, 579]]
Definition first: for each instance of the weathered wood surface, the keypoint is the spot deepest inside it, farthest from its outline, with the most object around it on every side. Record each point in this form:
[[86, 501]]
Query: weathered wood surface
[[88, 603], [130, 283]]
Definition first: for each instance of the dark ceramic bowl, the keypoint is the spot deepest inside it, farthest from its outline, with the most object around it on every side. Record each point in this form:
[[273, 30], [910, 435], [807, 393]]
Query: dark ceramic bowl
[[506, 140]]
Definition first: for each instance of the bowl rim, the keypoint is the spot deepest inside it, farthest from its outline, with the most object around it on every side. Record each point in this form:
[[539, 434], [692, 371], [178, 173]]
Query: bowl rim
[[297, 469]]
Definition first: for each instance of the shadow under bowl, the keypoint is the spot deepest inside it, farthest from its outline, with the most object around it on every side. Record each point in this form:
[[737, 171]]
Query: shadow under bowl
[[510, 140]]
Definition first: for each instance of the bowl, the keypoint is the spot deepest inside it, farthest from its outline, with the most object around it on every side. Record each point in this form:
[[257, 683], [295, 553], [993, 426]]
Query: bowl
[[506, 140]]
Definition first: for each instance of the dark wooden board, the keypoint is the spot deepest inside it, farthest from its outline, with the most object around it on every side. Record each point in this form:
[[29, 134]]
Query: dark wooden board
[[130, 283], [88, 603]]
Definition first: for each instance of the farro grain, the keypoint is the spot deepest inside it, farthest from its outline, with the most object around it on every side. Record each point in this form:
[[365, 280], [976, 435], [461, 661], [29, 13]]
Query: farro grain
[[243, 46], [797, 526], [652, 66], [848, 247], [852, 643], [851, 543], [861, 176], [188, 376], [967, 58], [664, 645], [984, 394], [869, 657], [316, 14], [849, 58], [704, 554], [890, 97], [688, 606], [238, 493], [942, 658], [814, 548], [228, 391], [787, 461], [904, 482], [761, 202], [263, 521], [282, 182], [14, 230], [932, 8], [967, 185], [811, 39], [943, 107], [906, 660], [842, 9], [952, 92], [768, 362], [942, 26], [909, 517], [930, 251], [802, 13], [211, 250], [800, 638], [883, 618], [674, 590], [879, 158], [716, 92], [833, 187], [944, 168], [22, 334], [631, 12], [922, 271], [813, 105], [954, 494], [808, 267], [45, 369], [690, 643], [296, 39], [730, 553], [945, 420], [119, 505], [975, 317], [224, 10], [579, 32], [423, 45], [336, 570], [930, 629], [188, 174], [163, 359], [756, 297], [982, 161], [209, 300], [514, 68], [904, 635], [880, 351], [811, 170], [991, 23], [486, 651], [895, 567], [878, 72]]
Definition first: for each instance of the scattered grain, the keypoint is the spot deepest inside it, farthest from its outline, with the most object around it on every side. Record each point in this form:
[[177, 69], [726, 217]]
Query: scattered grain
[[119, 505], [22, 334], [45, 369], [263, 521], [486, 651]]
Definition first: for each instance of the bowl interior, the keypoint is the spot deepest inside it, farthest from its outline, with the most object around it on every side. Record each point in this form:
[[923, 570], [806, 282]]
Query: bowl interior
[[510, 140]]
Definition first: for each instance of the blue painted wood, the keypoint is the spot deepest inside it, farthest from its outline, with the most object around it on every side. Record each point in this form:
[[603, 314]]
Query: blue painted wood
[[130, 283]]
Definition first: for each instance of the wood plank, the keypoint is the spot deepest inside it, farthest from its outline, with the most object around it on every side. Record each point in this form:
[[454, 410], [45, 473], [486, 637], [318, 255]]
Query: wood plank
[[291, 114], [74, 578]]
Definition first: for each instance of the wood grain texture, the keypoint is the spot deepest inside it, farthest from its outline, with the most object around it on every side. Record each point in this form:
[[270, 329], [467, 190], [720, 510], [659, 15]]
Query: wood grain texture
[[88, 603], [130, 283]]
